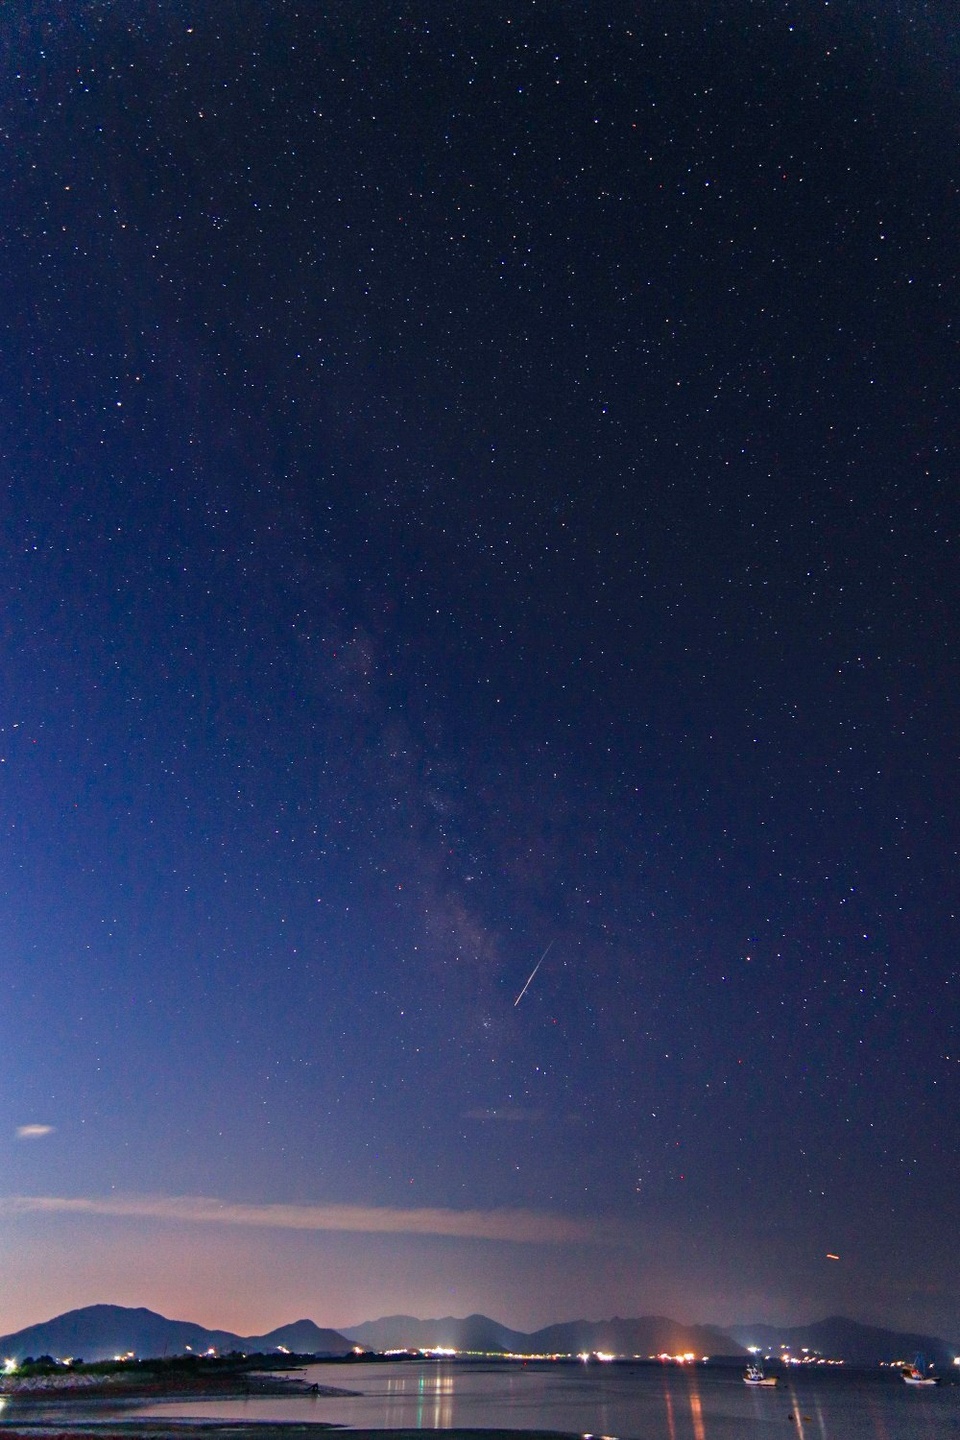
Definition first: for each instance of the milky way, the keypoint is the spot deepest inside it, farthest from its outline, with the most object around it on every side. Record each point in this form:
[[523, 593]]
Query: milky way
[[479, 482]]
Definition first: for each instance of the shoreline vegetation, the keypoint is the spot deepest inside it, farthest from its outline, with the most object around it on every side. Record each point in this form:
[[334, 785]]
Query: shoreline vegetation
[[182, 1377]]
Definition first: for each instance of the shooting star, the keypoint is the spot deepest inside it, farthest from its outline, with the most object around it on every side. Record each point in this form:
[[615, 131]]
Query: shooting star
[[535, 969]]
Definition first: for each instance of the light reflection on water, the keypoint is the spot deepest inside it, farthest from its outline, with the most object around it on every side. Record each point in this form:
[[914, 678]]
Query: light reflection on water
[[696, 1409], [668, 1408], [629, 1402]]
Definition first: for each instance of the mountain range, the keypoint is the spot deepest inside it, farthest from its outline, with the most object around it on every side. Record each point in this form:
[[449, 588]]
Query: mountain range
[[651, 1335], [850, 1341], [99, 1331]]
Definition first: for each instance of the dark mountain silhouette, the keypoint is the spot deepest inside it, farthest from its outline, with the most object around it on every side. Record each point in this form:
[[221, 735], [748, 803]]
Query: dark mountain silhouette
[[837, 1338], [406, 1332], [652, 1335], [303, 1337], [100, 1331], [648, 1335], [850, 1341], [96, 1332]]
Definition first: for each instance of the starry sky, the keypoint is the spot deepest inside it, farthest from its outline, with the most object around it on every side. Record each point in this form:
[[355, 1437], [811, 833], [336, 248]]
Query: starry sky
[[479, 487]]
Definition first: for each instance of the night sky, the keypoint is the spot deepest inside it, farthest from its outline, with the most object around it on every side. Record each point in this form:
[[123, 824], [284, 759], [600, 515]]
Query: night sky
[[479, 480]]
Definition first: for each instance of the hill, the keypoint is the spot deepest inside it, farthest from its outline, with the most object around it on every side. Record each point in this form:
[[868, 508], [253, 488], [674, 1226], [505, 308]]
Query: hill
[[97, 1332], [303, 1337], [406, 1332], [648, 1335], [651, 1335], [836, 1337], [850, 1341]]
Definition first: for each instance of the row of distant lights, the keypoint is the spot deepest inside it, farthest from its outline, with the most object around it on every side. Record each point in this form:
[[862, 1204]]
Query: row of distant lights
[[446, 1352], [443, 1352], [907, 1364], [10, 1366], [806, 1356]]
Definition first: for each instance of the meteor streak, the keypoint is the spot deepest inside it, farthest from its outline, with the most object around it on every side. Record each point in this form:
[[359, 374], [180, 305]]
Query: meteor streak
[[534, 971]]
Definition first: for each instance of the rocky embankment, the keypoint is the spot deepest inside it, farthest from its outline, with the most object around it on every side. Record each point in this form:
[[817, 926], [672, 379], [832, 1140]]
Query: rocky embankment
[[143, 1384]]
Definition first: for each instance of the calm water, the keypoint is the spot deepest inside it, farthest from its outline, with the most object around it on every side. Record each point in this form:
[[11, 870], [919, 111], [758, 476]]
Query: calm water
[[631, 1402]]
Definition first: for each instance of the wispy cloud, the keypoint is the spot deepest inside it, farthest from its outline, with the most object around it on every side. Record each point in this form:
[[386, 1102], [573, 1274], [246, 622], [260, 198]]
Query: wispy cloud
[[522, 1227], [34, 1132]]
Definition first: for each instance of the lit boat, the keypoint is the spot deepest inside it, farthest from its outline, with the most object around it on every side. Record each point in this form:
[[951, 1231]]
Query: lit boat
[[918, 1374], [753, 1375]]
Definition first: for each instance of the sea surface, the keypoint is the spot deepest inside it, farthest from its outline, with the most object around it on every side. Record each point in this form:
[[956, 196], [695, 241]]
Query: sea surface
[[631, 1402]]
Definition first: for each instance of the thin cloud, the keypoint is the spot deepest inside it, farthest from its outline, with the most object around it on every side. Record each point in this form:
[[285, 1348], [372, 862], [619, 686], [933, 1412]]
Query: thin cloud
[[34, 1132], [521, 1227]]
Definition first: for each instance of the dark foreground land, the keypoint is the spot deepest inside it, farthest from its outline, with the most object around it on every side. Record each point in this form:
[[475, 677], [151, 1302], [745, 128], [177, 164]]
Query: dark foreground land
[[58, 1429], [190, 1377], [51, 1403]]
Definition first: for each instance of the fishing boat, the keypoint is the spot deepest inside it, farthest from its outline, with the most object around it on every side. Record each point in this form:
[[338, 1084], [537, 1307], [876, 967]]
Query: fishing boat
[[918, 1374], [754, 1375]]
